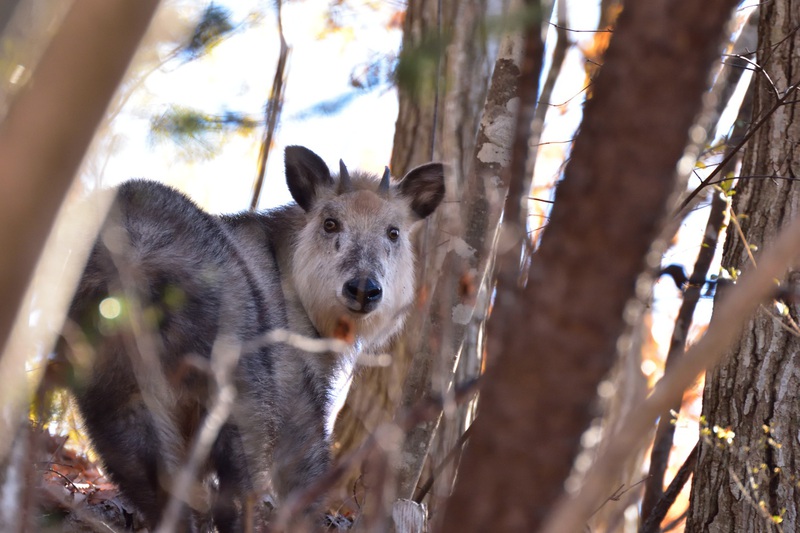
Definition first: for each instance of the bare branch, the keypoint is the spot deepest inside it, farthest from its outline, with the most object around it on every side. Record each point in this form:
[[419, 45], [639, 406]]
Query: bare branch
[[716, 217], [790, 92], [734, 309], [659, 511], [451, 456], [43, 139], [272, 112], [224, 359]]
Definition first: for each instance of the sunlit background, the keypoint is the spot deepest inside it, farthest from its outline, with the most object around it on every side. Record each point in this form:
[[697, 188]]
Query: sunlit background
[[340, 101]]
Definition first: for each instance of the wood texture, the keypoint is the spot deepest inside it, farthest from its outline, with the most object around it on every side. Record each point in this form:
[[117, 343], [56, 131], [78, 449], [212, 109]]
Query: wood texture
[[551, 344]]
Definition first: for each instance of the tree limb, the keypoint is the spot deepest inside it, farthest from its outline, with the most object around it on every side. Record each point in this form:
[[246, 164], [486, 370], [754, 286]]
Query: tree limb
[[734, 309], [653, 522], [44, 136], [554, 349], [662, 444]]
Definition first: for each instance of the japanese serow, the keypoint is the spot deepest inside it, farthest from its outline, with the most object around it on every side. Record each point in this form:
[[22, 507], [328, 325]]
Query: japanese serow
[[171, 294]]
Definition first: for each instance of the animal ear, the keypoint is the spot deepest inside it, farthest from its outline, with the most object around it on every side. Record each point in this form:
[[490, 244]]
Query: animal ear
[[306, 172], [424, 188]]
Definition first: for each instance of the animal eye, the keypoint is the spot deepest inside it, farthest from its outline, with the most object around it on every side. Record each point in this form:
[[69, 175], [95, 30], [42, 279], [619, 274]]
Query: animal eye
[[393, 234], [330, 225]]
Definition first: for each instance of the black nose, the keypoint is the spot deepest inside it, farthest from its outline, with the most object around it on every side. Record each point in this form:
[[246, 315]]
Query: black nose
[[365, 292]]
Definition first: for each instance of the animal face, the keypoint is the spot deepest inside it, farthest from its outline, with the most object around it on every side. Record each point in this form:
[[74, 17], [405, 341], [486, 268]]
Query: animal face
[[353, 265]]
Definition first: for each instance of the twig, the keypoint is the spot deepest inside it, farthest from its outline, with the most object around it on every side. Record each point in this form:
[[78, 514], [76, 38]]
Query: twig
[[426, 410], [734, 310], [451, 455], [618, 494], [272, 113], [65, 478], [760, 69], [559, 26], [659, 511], [757, 126], [571, 98]]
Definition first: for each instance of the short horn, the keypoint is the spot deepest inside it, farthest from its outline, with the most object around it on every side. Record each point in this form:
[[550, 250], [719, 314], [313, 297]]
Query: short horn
[[383, 188], [344, 178]]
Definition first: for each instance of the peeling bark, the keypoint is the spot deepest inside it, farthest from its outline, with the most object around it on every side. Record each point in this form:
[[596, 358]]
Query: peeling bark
[[553, 342]]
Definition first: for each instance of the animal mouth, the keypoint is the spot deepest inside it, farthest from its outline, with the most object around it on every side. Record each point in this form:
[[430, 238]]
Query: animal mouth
[[357, 308]]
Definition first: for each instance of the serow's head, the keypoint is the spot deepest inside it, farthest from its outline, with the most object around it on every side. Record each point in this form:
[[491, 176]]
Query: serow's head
[[353, 265]]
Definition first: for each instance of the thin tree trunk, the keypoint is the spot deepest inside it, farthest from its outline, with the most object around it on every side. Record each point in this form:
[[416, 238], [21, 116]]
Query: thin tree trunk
[[553, 342], [746, 475]]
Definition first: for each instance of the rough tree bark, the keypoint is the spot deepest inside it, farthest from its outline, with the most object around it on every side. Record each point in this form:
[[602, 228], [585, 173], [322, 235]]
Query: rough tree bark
[[553, 342], [749, 482]]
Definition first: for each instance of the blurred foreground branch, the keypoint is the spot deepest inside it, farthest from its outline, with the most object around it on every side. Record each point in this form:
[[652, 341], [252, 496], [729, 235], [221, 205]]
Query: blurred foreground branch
[[562, 331], [734, 310], [50, 125]]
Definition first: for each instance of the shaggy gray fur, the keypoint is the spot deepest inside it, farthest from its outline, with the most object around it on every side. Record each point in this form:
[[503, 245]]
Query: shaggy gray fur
[[337, 263]]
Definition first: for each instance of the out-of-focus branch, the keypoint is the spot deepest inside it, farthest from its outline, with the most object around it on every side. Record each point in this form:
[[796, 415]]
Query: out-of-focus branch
[[451, 457], [272, 113], [734, 309], [662, 506], [50, 125], [666, 430], [43, 139], [224, 359]]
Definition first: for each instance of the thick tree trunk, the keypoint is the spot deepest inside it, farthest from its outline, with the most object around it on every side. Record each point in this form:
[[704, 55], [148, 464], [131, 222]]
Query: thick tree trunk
[[749, 482], [553, 342]]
